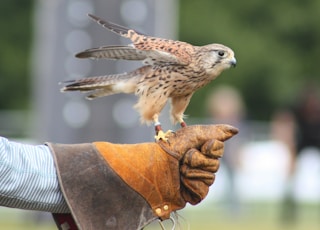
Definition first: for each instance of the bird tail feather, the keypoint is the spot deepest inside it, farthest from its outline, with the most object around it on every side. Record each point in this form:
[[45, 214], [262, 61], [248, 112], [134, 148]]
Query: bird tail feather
[[98, 86], [91, 83]]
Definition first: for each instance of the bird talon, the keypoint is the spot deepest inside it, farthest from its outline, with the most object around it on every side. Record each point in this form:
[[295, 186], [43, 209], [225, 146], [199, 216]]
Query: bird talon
[[163, 135]]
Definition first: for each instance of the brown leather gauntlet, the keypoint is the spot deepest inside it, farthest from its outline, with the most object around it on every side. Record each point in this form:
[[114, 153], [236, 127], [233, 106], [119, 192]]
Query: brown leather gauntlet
[[169, 174], [126, 186]]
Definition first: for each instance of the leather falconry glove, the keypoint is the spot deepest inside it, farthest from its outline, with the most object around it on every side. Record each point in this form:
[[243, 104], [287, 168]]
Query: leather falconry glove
[[126, 186]]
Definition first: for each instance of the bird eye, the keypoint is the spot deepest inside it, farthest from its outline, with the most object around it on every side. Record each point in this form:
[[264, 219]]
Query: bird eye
[[221, 53]]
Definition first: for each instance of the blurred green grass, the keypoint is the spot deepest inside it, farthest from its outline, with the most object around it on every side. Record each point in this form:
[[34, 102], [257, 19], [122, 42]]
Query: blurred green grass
[[15, 219], [262, 216]]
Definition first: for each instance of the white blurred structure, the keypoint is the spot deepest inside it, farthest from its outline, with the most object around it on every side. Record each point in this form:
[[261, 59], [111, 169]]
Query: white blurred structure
[[62, 29], [262, 175]]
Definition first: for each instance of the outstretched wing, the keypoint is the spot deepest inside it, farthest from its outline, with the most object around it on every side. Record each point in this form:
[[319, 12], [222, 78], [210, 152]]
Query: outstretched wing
[[151, 49], [113, 52], [121, 30]]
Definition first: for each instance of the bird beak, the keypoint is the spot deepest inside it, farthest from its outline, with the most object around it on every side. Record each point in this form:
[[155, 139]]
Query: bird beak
[[233, 62]]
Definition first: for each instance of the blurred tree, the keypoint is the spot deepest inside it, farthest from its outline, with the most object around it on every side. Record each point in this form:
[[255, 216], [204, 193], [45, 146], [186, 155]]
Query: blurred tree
[[15, 41], [276, 45]]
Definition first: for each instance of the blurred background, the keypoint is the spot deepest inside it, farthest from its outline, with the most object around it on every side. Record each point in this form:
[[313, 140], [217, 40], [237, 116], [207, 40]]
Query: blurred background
[[269, 174]]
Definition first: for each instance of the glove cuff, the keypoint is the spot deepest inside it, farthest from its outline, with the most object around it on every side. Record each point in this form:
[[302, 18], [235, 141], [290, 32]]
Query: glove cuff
[[97, 197], [150, 171]]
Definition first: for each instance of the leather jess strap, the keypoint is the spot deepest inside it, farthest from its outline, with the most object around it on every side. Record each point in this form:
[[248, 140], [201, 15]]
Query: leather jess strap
[[64, 221]]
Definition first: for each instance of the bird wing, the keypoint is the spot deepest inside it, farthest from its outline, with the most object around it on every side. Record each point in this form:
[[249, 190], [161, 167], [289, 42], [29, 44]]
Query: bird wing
[[121, 30], [113, 52], [157, 50]]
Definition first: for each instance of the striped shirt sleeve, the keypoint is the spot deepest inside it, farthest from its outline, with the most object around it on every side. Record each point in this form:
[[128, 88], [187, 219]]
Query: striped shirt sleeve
[[28, 178]]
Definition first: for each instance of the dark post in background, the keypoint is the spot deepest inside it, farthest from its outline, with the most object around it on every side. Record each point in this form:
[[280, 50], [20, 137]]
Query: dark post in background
[[62, 29]]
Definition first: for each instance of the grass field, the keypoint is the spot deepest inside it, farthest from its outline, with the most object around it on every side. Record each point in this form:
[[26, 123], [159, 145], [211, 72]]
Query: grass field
[[249, 217]]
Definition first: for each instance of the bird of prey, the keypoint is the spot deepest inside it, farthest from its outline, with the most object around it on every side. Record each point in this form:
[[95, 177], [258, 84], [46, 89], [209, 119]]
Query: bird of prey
[[172, 70]]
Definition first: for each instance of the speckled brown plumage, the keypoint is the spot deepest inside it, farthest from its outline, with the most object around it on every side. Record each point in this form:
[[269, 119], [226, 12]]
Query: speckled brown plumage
[[172, 70]]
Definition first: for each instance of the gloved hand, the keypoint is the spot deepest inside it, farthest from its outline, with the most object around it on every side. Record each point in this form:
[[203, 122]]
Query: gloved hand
[[126, 186], [170, 173], [197, 170]]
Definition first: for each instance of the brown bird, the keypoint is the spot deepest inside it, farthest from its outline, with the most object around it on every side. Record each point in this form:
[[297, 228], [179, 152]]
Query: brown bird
[[172, 70]]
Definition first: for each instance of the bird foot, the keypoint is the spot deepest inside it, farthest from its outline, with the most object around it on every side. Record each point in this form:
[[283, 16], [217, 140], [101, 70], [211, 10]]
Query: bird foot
[[163, 135]]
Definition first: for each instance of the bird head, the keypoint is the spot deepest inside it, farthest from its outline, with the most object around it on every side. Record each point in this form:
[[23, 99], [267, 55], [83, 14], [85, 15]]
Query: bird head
[[216, 58]]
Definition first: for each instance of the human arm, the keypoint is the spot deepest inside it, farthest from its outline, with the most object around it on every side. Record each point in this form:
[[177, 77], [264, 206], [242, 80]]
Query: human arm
[[105, 183], [28, 178]]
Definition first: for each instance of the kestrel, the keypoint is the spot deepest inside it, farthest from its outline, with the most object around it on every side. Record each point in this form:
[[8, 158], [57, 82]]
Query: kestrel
[[172, 70]]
